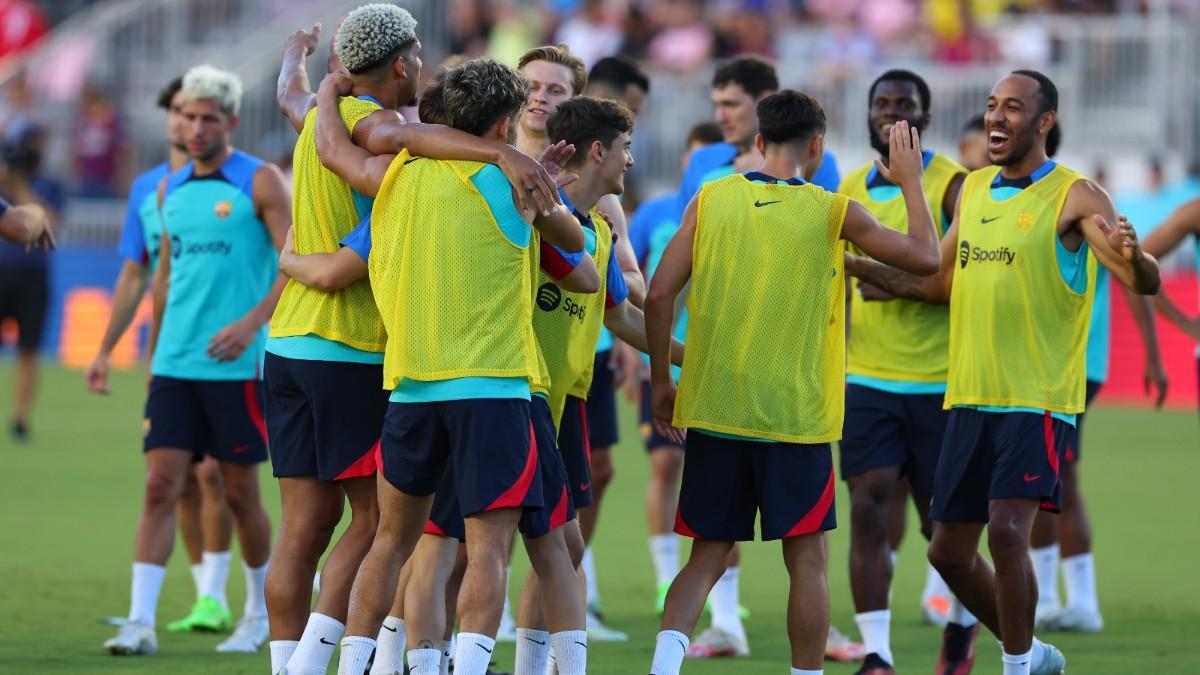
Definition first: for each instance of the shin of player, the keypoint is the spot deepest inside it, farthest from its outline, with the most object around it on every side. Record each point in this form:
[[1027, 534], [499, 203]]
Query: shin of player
[[767, 451]]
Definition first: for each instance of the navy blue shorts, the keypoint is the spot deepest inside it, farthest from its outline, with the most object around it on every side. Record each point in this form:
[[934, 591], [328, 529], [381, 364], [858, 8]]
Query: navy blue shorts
[[323, 417], [602, 404], [1074, 450], [446, 520], [883, 430], [991, 456], [727, 482], [654, 440], [488, 441], [221, 418], [576, 451]]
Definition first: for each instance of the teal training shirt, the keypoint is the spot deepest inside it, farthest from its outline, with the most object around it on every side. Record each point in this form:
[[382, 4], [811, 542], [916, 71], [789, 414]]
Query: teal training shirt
[[222, 264]]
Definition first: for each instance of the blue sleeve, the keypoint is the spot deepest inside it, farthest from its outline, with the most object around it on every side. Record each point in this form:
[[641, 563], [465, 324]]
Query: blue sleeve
[[359, 239], [616, 291], [497, 191], [828, 175], [639, 229], [3, 206], [133, 241]]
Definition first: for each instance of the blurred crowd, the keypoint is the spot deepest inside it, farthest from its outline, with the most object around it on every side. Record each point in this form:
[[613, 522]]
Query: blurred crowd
[[684, 35]]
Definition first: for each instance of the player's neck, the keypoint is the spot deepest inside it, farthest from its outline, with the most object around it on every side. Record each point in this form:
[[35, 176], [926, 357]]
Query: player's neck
[[585, 192], [1032, 161], [176, 158], [380, 91], [532, 144], [783, 164], [214, 163]]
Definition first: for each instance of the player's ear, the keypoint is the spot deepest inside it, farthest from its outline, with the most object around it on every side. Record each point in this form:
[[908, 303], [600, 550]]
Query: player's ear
[[816, 147], [760, 145], [504, 127], [1046, 122], [233, 122], [596, 151]]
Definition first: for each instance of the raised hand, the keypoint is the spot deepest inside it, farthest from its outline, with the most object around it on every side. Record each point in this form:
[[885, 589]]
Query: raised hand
[[304, 40], [533, 180], [1122, 238], [905, 162], [336, 83]]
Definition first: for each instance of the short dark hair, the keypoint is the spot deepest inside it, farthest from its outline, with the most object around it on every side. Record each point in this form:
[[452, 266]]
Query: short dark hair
[[431, 109], [481, 92], [790, 116], [755, 75], [618, 72], [1053, 139], [901, 75], [168, 92], [706, 133], [1047, 92], [974, 124], [584, 119]]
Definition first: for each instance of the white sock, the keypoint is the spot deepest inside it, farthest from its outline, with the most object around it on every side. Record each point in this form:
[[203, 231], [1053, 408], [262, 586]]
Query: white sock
[[1079, 578], [143, 595], [317, 582], [551, 665], [356, 652], [669, 649], [281, 651], [447, 653], [256, 590], [420, 661], [216, 574], [198, 578], [389, 648], [801, 671], [1017, 664], [321, 635], [533, 651], [959, 613], [724, 599], [473, 654], [875, 628], [1045, 568], [934, 585], [664, 551], [570, 651], [589, 573]]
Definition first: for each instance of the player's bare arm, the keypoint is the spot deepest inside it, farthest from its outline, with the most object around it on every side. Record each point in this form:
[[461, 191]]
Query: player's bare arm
[[626, 258], [336, 147], [628, 323], [27, 224], [672, 274], [1089, 212], [273, 204], [1183, 223], [292, 90], [127, 294], [321, 271], [160, 283], [584, 278], [1154, 372], [917, 250], [557, 226]]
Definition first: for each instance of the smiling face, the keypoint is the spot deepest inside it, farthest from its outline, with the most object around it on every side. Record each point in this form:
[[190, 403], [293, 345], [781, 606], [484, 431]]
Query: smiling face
[[1013, 123], [894, 101], [551, 84], [615, 162]]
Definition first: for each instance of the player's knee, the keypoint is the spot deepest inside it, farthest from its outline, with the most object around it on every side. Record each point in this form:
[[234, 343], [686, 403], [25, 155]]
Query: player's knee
[[243, 499], [163, 490], [1006, 536], [209, 481], [868, 517], [948, 559], [602, 470]]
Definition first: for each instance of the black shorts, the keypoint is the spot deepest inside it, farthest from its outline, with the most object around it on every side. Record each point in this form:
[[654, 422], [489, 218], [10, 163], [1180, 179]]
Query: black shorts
[[24, 297], [654, 440], [602, 404], [576, 451], [488, 441], [221, 418], [445, 518], [883, 429], [1074, 450], [323, 417], [727, 482], [989, 455]]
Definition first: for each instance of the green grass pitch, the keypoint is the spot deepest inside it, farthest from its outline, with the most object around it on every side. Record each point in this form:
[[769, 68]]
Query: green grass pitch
[[69, 503]]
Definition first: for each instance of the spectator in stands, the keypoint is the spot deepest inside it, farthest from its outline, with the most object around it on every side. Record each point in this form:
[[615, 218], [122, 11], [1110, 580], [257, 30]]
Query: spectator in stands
[[686, 41], [98, 145], [594, 32], [24, 278]]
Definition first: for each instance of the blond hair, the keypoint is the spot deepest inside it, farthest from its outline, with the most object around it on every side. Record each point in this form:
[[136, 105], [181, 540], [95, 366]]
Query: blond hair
[[205, 82], [563, 56]]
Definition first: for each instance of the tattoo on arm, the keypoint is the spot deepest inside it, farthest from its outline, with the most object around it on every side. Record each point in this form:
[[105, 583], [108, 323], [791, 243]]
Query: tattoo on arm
[[894, 281]]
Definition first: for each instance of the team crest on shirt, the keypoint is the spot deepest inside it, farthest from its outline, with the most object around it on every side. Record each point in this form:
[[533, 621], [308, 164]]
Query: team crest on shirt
[[223, 209], [1024, 221]]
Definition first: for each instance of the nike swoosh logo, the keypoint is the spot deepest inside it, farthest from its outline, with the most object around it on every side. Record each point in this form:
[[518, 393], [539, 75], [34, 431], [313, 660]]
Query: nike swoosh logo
[[681, 645], [483, 648], [1030, 479], [584, 486], [327, 642], [985, 221], [762, 204], [241, 448], [389, 628], [580, 644], [537, 642]]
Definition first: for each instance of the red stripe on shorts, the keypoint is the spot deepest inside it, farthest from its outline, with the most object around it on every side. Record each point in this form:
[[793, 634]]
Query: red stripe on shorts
[[364, 466], [559, 517], [515, 494], [811, 522], [432, 528], [682, 528], [587, 439], [254, 410], [1051, 453]]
